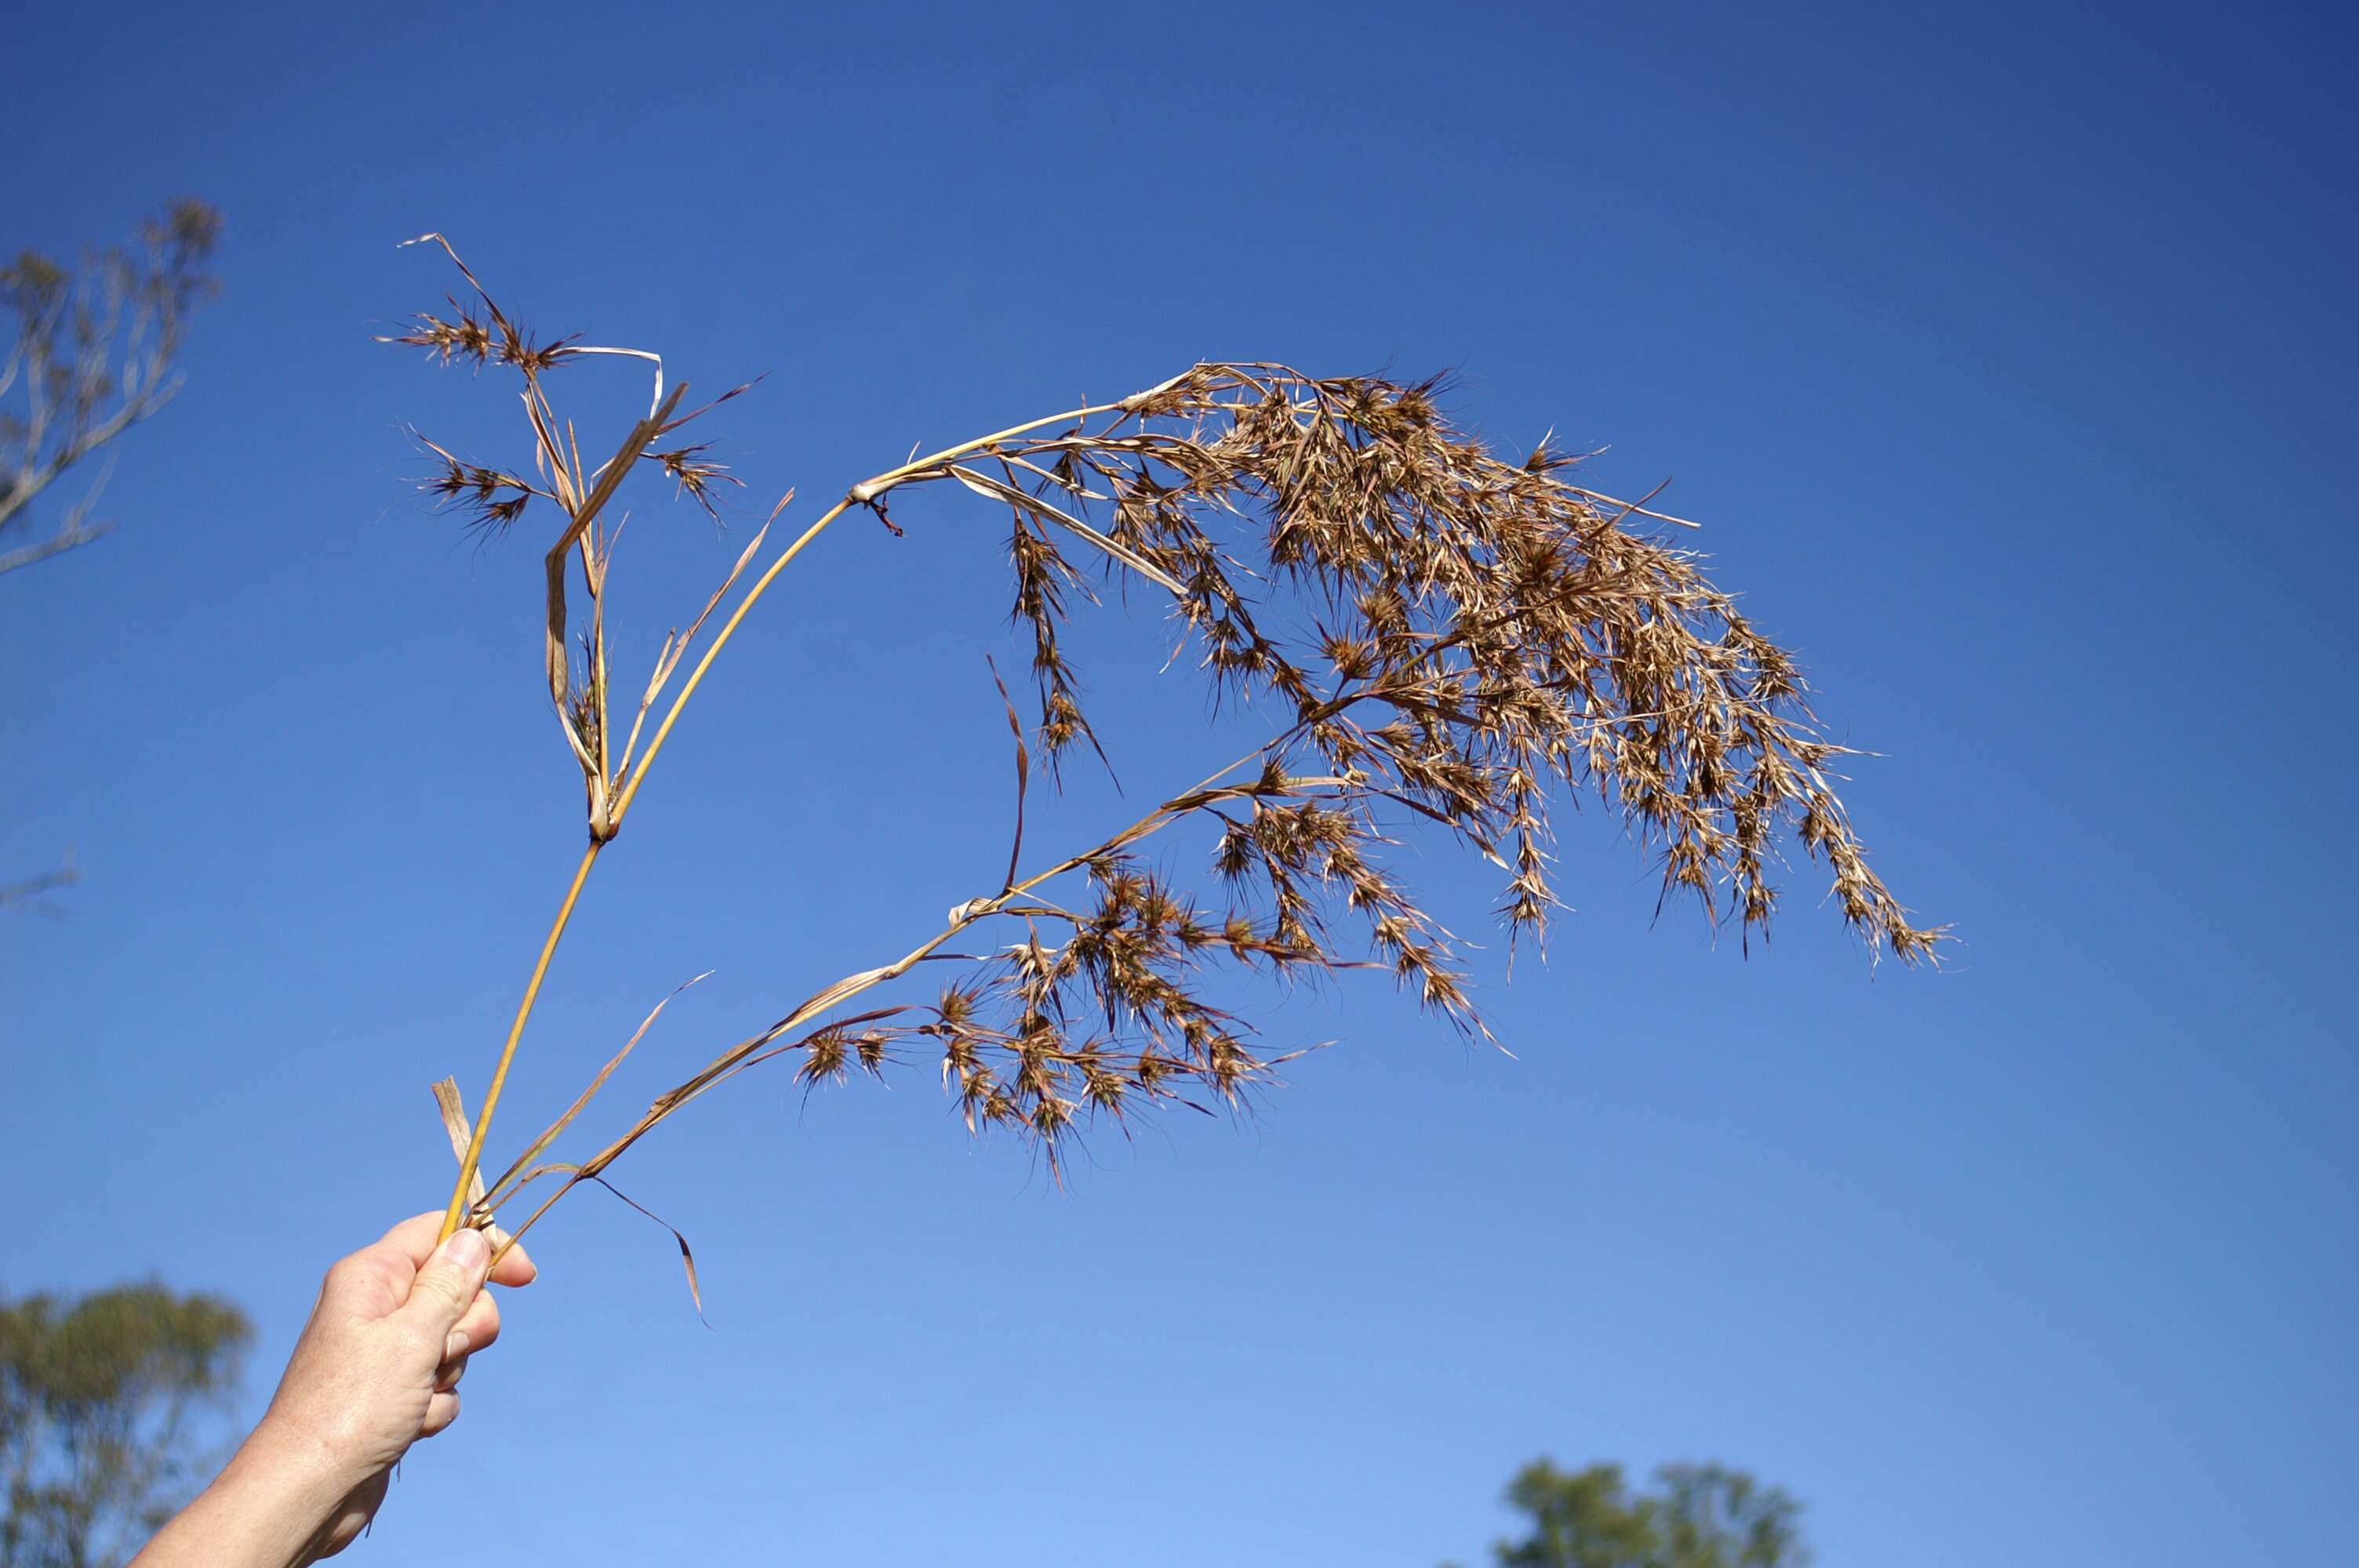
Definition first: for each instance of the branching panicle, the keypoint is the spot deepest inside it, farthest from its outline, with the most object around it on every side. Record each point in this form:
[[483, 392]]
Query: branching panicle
[[1439, 639]]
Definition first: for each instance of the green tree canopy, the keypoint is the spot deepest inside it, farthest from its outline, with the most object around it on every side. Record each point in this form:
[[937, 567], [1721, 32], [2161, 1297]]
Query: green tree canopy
[[96, 1400], [1698, 1515]]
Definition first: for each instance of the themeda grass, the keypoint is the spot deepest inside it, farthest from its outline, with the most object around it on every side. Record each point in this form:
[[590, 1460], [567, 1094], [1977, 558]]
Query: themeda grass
[[1443, 640]]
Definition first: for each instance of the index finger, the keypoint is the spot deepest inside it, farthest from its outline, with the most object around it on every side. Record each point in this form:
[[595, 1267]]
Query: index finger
[[415, 1237]]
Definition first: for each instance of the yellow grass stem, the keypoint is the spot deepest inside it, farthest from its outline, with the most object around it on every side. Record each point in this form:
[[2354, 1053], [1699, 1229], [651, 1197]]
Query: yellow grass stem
[[472, 1160]]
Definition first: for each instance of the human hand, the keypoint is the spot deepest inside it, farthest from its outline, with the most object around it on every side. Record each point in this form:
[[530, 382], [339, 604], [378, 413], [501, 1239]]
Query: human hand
[[377, 1366]]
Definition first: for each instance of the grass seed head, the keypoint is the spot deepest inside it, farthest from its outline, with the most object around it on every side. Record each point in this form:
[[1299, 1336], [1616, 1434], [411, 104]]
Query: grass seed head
[[1441, 639]]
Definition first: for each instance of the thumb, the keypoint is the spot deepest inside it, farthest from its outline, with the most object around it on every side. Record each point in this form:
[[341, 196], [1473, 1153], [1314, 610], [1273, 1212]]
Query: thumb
[[448, 1283]]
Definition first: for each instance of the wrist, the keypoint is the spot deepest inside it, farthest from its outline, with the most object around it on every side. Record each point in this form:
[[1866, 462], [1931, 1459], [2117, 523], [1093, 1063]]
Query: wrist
[[300, 1452], [291, 1474], [266, 1509]]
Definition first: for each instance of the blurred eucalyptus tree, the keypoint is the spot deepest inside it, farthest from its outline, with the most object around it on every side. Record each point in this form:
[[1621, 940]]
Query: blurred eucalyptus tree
[[98, 1400], [93, 354]]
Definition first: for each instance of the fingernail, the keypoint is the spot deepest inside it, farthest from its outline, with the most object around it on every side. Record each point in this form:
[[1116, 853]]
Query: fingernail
[[468, 1250]]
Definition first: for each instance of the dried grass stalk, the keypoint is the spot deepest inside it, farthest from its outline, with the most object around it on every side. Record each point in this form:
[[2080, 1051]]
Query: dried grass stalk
[[1445, 637]]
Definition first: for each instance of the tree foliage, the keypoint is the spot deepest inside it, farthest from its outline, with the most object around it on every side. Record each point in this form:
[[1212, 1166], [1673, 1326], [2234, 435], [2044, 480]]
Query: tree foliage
[[1698, 1515], [98, 1404], [93, 354]]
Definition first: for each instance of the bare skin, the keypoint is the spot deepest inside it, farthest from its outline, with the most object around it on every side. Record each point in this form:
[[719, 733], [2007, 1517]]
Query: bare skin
[[376, 1370]]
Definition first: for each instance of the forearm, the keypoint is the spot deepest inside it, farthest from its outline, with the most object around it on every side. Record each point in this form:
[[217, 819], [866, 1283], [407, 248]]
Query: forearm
[[267, 1508]]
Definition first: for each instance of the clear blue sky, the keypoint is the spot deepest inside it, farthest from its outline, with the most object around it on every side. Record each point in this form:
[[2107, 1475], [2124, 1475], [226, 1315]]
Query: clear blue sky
[[2008, 353]]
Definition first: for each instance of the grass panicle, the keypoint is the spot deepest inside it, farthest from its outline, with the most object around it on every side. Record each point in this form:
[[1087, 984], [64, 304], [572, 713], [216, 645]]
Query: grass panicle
[[1441, 640]]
